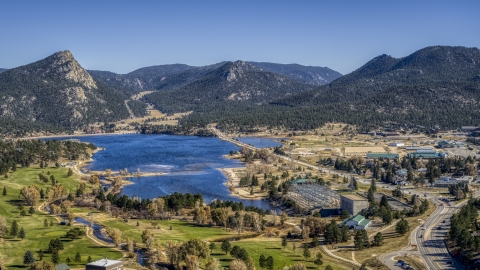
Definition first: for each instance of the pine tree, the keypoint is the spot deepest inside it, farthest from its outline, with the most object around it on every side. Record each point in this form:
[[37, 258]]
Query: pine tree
[[284, 241], [70, 172], [55, 256], [306, 252], [31, 210], [89, 259], [22, 233], [261, 261], [45, 223], [4, 191], [68, 260], [14, 229], [78, 257], [318, 259], [40, 254], [373, 185], [28, 257]]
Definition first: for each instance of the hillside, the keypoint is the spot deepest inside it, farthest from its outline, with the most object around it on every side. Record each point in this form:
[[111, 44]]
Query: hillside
[[3, 69], [167, 77], [304, 74], [437, 85], [58, 91], [228, 86], [139, 80]]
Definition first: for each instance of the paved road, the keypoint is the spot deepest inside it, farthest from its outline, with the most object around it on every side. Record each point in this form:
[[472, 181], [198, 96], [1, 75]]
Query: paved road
[[429, 240]]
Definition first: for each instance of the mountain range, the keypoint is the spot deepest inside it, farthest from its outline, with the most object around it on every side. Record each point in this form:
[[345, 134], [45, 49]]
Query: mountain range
[[438, 85], [167, 77]]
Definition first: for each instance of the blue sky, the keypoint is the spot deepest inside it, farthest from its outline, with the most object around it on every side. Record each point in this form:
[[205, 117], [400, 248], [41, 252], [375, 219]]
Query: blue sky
[[121, 36]]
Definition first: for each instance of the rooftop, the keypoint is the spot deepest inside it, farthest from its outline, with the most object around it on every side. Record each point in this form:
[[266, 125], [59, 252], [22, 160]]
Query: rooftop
[[381, 155], [364, 222], [104, 262], [353, 197]]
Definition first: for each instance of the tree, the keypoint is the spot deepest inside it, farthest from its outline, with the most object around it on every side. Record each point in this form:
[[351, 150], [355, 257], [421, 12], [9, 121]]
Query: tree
[[78, 257], [70, 172], [318, 259], [55, 256], [298, 266], [373, 185], [116, 235], [345, 233], [378, 239], [213, 264], [42, 265], [68, 260], [306, 252], [212, 246], [31, 210], [269, 263], [226, 246], [28, 257], [237, 265], [328, 267], [402, 227], [4, 191], [22, 233], [30, 194], [363, 267], [345, 214], [284, 241], [14, 229], [262, 261], [89, 259], [315, 241]]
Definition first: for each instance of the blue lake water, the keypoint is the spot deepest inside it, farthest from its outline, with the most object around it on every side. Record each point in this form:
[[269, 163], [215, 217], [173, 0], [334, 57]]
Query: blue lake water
[[191, 164]]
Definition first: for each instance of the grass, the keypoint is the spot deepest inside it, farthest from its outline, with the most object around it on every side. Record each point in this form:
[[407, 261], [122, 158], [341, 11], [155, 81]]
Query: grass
[[12, 250], [271, 247]]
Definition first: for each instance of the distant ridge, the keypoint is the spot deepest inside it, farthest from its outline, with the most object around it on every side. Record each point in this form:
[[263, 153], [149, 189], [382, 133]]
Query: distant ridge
[[3, 69], [166, 77]]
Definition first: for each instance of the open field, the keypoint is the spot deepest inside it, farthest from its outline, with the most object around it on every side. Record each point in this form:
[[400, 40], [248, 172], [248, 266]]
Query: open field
[[38, 236]]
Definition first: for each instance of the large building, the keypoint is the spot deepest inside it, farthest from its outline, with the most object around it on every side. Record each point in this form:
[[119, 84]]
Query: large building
[[357, 222], [353, 203], [105, 264]]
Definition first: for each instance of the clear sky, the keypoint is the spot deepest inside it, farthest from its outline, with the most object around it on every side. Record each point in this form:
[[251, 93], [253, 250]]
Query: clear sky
[[121, 36]]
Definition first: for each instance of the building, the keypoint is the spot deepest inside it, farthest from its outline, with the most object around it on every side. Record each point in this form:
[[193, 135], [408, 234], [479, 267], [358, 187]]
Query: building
[[469, 128], [357, 222], [381, 155], [105, 264], [353, 203], [446, 181], [397, 144], [445, 144], [426, 154]]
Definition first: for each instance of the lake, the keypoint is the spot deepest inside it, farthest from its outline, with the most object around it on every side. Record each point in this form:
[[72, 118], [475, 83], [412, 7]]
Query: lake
[[191, 164]]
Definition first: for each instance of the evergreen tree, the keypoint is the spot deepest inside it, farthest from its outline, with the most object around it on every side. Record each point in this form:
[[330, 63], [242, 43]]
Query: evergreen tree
[[78, 257], [345, 232], [318, 259], [262, 261], [31, 210], [284, 241], [306, 252], [45, 223], [70, 172], [28, 257], [315, 241], [269, 263], [68, 260], [40, 254], [402, 227], [89, 259], [22, 233], [4, 191], [14, 229], [373, 185], [378, 239], [55, 256], [226, 246]]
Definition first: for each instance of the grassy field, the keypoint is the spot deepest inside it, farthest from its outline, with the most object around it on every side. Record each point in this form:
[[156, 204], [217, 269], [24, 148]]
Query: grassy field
[[12, 250]]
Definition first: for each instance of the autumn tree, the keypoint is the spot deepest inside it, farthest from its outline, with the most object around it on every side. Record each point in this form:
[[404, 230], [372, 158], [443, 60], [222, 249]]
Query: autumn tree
[[30, 194], [116, 235]]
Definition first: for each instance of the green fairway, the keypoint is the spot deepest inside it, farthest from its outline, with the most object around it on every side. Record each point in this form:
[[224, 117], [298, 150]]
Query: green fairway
[[12, 250]]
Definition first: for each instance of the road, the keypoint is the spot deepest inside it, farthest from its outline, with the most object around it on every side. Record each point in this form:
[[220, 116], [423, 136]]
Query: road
[[429, 240]]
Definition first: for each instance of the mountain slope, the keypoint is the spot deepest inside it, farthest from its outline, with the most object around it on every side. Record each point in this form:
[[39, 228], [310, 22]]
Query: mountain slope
[[304, 74], [227, 86], [3, 69], [139, 80], [437, 85], [58, 91], [431, 66]]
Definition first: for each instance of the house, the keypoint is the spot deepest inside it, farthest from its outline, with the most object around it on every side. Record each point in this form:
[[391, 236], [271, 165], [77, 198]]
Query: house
[[105, 264], [357, 222]]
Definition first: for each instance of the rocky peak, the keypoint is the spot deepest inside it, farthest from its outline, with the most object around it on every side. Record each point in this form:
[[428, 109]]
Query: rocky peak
[[64, 63], [236, 70]]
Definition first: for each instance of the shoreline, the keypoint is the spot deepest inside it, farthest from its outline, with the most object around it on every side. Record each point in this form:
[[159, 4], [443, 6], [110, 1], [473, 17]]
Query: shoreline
[[233, 181]]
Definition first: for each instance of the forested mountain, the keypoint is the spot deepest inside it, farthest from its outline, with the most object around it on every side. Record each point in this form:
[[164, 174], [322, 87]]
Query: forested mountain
[[437, 67], [57, 91], [3, 69], [228, 86], [304, 74], [167, 77], [437, 85], [139, 80]]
